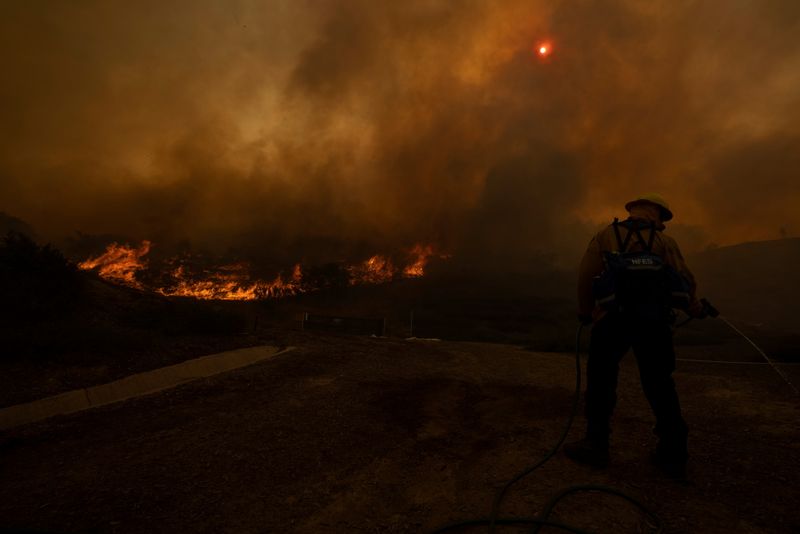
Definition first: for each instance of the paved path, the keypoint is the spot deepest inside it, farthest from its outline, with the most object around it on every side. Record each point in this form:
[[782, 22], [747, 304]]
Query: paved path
[[134, 385]]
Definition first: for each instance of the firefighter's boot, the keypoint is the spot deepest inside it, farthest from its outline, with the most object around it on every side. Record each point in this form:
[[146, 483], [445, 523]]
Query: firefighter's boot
[[671, 458], [588, 451]]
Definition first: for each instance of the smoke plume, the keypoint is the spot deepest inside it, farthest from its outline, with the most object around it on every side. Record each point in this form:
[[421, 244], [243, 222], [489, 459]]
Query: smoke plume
[[316, 130]]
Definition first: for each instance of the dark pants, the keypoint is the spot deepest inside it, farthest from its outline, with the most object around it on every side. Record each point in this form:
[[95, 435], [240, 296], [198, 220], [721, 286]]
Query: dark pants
[[612, 337]]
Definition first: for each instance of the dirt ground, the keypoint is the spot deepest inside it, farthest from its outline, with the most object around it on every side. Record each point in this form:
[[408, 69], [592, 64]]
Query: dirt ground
[[353, 434]]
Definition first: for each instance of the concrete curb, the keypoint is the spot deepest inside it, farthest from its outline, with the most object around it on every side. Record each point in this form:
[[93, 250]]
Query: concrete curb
[[135, 385]]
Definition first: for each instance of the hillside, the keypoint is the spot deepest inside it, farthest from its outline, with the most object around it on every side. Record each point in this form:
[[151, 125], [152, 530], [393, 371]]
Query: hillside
[[101, 332], [63, 328], [757, 283]]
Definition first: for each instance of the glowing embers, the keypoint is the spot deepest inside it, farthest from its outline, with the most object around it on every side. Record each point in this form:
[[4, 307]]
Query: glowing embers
[[120, 263]]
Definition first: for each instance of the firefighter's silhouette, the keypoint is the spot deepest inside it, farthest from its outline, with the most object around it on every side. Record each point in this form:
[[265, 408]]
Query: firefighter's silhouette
[[631, 278]]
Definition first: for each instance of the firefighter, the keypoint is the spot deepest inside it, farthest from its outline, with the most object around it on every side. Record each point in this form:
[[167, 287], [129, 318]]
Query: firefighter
[[629, 277]]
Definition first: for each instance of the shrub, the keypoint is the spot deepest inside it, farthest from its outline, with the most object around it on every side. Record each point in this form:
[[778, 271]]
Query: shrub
[[36, 282]]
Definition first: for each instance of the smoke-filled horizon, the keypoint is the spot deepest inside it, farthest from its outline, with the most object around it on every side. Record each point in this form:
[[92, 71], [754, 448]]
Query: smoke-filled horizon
[[311, 129]]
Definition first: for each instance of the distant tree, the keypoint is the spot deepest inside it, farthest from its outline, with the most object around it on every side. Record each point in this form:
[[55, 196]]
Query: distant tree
[[9, 223]]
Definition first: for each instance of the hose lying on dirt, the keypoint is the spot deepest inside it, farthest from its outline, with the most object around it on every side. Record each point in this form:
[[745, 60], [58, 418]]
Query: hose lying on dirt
[[715, 314], [763, 354], [541, 520]]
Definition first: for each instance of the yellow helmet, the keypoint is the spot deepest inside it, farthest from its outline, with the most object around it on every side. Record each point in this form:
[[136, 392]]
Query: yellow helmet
[[652, 198]]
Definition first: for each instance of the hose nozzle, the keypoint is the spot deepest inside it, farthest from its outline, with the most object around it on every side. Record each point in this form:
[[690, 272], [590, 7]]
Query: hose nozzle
[[709, 309]]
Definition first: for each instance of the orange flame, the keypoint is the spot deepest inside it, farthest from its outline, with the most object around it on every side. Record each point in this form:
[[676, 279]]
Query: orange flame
[[376, 270], [380, 269], [421, 253], [119, 263], [232, 283]]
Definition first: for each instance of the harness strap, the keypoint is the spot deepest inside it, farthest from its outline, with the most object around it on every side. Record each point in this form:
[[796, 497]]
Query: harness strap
[[627, 239], [620, 244], [652, 236], [640, 239], [634, 227]]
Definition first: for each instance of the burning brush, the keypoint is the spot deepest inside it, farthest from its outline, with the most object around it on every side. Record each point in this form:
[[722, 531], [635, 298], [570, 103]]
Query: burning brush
[[127, 265]]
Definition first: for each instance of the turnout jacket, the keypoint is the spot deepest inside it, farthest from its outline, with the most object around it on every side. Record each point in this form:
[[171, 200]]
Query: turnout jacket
[[605, 241]]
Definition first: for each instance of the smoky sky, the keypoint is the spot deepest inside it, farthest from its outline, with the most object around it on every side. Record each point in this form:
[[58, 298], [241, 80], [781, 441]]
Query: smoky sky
[[328, 128]]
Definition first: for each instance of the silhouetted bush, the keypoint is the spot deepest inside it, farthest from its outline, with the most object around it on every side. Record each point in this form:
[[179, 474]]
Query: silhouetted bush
[[36, 282]]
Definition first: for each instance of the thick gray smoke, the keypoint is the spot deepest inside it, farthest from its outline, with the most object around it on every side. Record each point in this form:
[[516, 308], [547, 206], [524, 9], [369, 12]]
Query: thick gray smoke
[[323, 129]]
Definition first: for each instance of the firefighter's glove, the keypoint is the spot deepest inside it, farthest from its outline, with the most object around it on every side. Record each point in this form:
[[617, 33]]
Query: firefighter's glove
[[585, 319]]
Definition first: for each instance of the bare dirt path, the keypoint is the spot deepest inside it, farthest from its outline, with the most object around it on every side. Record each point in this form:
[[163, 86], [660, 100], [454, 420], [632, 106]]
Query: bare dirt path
[[353, 434]]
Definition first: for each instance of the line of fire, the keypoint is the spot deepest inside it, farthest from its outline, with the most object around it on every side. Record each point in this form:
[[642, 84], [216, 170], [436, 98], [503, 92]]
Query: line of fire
[[185, 276]]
